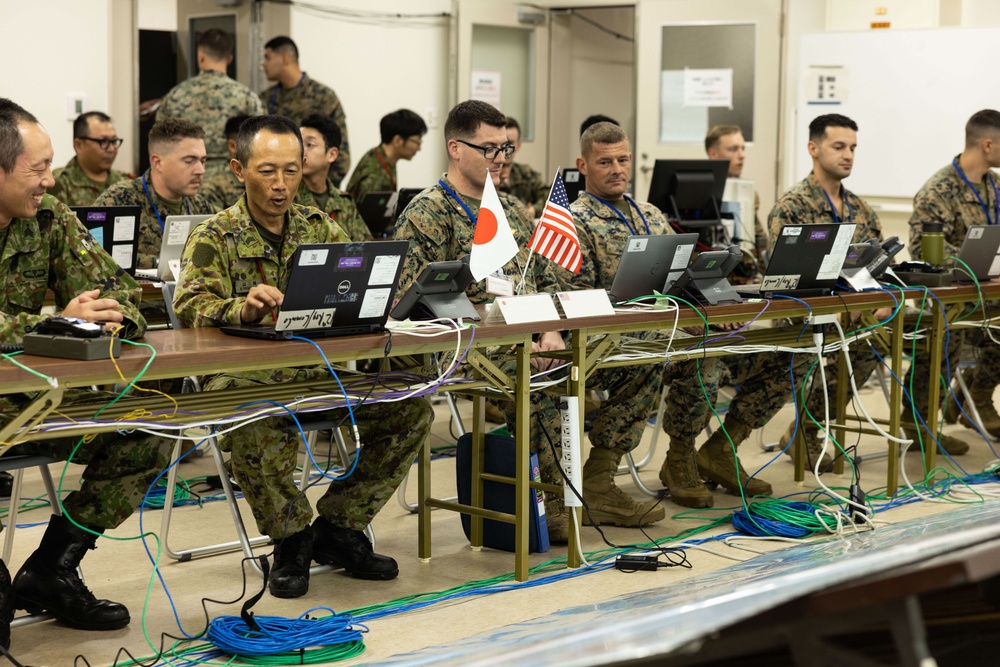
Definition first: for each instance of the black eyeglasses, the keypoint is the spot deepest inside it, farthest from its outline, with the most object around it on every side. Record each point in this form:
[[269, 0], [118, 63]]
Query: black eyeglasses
[[105, 144], [491, 152]]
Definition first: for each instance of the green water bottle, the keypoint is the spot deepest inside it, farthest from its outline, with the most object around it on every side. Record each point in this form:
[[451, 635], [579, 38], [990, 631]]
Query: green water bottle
[[932, 243]]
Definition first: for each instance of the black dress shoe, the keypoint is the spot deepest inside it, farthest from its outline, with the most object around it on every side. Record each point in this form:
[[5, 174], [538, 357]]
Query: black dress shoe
[[351, 550], [292, 556]]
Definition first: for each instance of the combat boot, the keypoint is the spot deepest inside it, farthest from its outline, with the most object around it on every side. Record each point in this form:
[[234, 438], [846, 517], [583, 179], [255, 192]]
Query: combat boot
[[718, 462], [557, 518], [48, 581], [605, 501], [954, 446], [680, 475], [814, 447], [6, 605], [351, 550], [292, 558], [983, 400]]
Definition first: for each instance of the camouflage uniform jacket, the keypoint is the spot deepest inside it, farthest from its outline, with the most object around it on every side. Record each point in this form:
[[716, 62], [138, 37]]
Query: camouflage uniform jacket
[[311, 96], [225, 257], [945, 198], [54, 251], [74, 188], [527, 185], [806, 203], [131, 193], [602, 237], [373, 173], [340, 207], [438, 229], [209, 99], [222, 189]]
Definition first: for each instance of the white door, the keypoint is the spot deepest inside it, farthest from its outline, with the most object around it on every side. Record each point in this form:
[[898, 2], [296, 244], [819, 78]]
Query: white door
[[503, 55], [705, 29]]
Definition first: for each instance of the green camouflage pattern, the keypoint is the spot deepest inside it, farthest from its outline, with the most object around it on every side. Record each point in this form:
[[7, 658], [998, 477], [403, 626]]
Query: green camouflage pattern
[[527, 185], [806, 204], [340, 207], [219, 266], [370, 176], [74, 188], [209, 99], [222, 189], [309, 97], [131, 193]]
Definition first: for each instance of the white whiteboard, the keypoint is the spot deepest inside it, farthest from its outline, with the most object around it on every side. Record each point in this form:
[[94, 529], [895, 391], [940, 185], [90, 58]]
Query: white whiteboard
[[910, 92]]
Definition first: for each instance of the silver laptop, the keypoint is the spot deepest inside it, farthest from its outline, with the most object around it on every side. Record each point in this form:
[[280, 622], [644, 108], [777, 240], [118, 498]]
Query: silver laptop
[[176, 229], [649, 263], [981, 252]]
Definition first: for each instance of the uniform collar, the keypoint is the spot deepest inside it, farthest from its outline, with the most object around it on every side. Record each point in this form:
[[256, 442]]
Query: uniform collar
[[598, 207], [249, 244]]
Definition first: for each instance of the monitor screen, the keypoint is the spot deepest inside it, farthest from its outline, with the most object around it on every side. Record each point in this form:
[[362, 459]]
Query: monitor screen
[[689, 191]]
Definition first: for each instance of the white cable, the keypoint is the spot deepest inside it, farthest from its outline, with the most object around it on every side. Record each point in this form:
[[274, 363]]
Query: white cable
[[579, 547]]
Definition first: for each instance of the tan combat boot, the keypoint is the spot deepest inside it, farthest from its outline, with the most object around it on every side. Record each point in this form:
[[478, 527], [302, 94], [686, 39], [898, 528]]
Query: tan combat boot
[[608, 503], [814, 447], [954, 446], [718, 462], [680, 475], [557, 518], [983, 400]]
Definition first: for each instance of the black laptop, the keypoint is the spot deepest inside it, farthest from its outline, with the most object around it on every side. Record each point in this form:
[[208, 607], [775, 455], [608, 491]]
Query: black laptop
[[806, 261], [378, 210], [116, 229], [980, 252], [649, 263], [335, 289]]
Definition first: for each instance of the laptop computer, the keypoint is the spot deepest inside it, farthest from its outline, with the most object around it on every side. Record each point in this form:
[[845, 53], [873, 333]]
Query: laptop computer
[[575, 182], [806, 261], [176, 229], [334, 289], [377, 209], [981, 252], [116, 229], [649, 263], [406, 195]]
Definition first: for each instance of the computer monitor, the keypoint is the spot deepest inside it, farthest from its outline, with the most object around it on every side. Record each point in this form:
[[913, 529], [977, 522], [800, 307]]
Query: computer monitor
[[689, 191], [575, 183]]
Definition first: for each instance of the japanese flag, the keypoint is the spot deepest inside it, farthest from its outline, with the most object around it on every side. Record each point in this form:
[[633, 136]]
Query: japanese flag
[[493, 244]]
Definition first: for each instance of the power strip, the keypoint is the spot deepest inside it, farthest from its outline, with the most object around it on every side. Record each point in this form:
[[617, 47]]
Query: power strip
[[569, 431]]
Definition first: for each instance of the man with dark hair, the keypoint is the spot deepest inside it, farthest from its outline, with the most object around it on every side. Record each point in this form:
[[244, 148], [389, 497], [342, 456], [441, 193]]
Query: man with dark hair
[[41, 246], [234, 271], [89, 172], [962, 194], [169, 187], [401, 133], [521, 180], [223, 189], [822, 198], [296, 95], [210, 97], [321, 138], [594, 120]]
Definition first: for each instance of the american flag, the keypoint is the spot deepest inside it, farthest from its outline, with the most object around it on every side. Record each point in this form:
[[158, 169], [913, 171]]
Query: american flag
[[555, 234]]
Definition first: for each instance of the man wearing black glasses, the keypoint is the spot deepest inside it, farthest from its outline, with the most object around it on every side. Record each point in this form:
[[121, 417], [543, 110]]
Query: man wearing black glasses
[[89, 173]]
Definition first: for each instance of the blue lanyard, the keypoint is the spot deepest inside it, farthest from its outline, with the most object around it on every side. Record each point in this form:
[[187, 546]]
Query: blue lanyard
[[833, 209], [273, 104], [461, 203], [152, 203], [996, 195], [622, 215]]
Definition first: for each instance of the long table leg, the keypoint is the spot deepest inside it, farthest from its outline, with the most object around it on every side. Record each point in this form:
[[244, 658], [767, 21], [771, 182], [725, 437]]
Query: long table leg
[[895, 402], [522, 435]]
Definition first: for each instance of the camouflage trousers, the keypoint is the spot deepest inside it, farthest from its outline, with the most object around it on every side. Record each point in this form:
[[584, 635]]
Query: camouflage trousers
[[764, 382], [265, 455], [119, 467], [987, 372], [863, 362]]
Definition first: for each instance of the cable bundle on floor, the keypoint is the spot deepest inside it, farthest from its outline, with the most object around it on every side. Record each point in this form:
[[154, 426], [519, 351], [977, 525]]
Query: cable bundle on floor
[[778, 518], [288, 641]]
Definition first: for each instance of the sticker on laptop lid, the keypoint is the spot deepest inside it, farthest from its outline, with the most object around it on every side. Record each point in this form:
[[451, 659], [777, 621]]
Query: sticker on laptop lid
[[124, 228], [995, 267], [300, 320], [375, 302], [384, 270], [786, 282], [791, 231], [637, 245], [177, 232], [975, 232], [314, 257], [682, 256]]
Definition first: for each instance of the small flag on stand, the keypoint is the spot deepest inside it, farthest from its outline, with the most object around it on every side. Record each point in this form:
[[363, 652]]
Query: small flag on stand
[[493, 244], [555, 234]]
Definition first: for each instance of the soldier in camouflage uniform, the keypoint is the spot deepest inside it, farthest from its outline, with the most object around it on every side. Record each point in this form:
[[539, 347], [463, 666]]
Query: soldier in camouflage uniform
[[233, 271], [822, 198], [401, 133], [321, 137], [296, 95], [210, 97], [169, 187], [89, 173], [605, 217], [223, 189], [44, 247], [966, 193], [521, 180], [440, 223]]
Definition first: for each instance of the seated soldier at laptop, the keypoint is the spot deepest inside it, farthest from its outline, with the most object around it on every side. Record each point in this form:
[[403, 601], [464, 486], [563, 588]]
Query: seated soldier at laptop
[[234, 271]]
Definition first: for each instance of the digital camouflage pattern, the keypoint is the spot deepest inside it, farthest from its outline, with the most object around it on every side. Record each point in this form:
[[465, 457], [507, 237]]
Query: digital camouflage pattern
[[54, 251], [527, 185], [209, 99], [310, 97], [340, 207], [370, 175], [74, 188], [222, 261], [806, 204], [131, 193], [222, 189]]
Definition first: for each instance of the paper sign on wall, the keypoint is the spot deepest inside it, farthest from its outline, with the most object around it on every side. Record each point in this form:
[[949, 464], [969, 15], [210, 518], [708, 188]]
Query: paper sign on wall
[[486, 86], [826, 85], [708, 88]]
